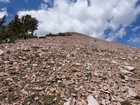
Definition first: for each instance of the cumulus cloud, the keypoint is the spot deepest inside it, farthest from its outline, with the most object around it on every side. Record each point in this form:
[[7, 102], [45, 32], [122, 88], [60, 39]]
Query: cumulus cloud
[[91, 17], [134, 41], [3, 12], [136, 28], [5, 1]]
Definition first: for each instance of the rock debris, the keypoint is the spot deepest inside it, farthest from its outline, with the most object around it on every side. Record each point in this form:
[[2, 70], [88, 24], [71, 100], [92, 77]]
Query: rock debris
[[70, 70]]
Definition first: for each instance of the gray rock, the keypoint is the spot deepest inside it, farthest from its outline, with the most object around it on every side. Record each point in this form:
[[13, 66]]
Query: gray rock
[[131, 92], [91, 100], [67, 82], [115, 62], [34, 65], [129, 68], [70, 101], [1, 52], [125, 71], [26, 49]]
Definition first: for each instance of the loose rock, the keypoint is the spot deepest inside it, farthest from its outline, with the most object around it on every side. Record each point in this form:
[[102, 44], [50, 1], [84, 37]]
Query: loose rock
[[1, 52], [91, 100]]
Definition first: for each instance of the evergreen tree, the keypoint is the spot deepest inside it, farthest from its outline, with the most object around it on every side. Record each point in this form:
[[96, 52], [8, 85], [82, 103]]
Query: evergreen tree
[[13, 29], [2, 20], [2, 33], [2, 28], [29, 25], [33, 25], [18, 28]]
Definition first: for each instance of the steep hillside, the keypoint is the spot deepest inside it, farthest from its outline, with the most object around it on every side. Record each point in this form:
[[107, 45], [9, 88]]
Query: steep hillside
[[70, 70]]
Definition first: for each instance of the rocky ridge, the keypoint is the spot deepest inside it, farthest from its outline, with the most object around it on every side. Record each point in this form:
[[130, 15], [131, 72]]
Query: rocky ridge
[[70, 70]]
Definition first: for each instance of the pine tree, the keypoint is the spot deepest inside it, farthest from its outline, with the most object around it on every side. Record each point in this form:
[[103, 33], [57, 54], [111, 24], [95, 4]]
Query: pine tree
[[13, 28], [18, 28], [33, 25], [2, 20], [2, 28], [29, 25]]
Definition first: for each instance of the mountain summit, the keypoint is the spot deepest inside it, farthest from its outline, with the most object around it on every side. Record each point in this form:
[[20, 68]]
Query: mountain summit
[[69, 70]]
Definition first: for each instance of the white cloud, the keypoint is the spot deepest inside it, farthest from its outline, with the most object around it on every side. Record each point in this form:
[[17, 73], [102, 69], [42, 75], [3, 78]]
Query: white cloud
[[5, 1], [92, 20], [136, 28], [134, 40], [119, 33], [3, 12]]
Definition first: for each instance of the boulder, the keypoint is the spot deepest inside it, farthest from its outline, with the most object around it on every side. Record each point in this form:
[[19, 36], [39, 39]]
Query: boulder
[[70, 101], [131, 92], [91, 100], [1, 52], [130, 68]]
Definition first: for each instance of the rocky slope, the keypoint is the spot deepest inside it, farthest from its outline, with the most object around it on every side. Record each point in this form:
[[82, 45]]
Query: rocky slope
[[70, 70]]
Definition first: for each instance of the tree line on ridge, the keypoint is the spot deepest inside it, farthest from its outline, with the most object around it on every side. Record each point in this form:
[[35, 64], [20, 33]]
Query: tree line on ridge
[[18, 28]]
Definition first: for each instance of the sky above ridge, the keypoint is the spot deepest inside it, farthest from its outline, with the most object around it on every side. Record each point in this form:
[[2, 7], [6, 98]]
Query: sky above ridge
[[112, 20]]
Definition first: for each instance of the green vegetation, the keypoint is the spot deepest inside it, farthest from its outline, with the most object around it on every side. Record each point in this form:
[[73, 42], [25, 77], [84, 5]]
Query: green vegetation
[[37, 99], [18, 28], [59, 34], [21, 28], [122, 76], [126, 103]]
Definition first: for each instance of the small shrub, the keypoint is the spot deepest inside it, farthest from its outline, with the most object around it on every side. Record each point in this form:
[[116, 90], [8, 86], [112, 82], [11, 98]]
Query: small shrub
[[43, 100], [42, 37], [126, 103], [59, 34], [50, 35], [31, 36], [122, 76]]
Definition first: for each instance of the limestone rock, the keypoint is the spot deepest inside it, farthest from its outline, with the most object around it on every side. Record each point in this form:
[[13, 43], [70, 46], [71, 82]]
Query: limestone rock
[[129, 68], [91, 100], [26, 49], [34, 65], [131, 92], [70, 101], [1, 52], [96, 73], [125, 71], [115, 62]]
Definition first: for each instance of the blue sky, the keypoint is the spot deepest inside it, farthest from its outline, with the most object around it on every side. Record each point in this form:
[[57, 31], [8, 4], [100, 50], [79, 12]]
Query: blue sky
[[112, 20]]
